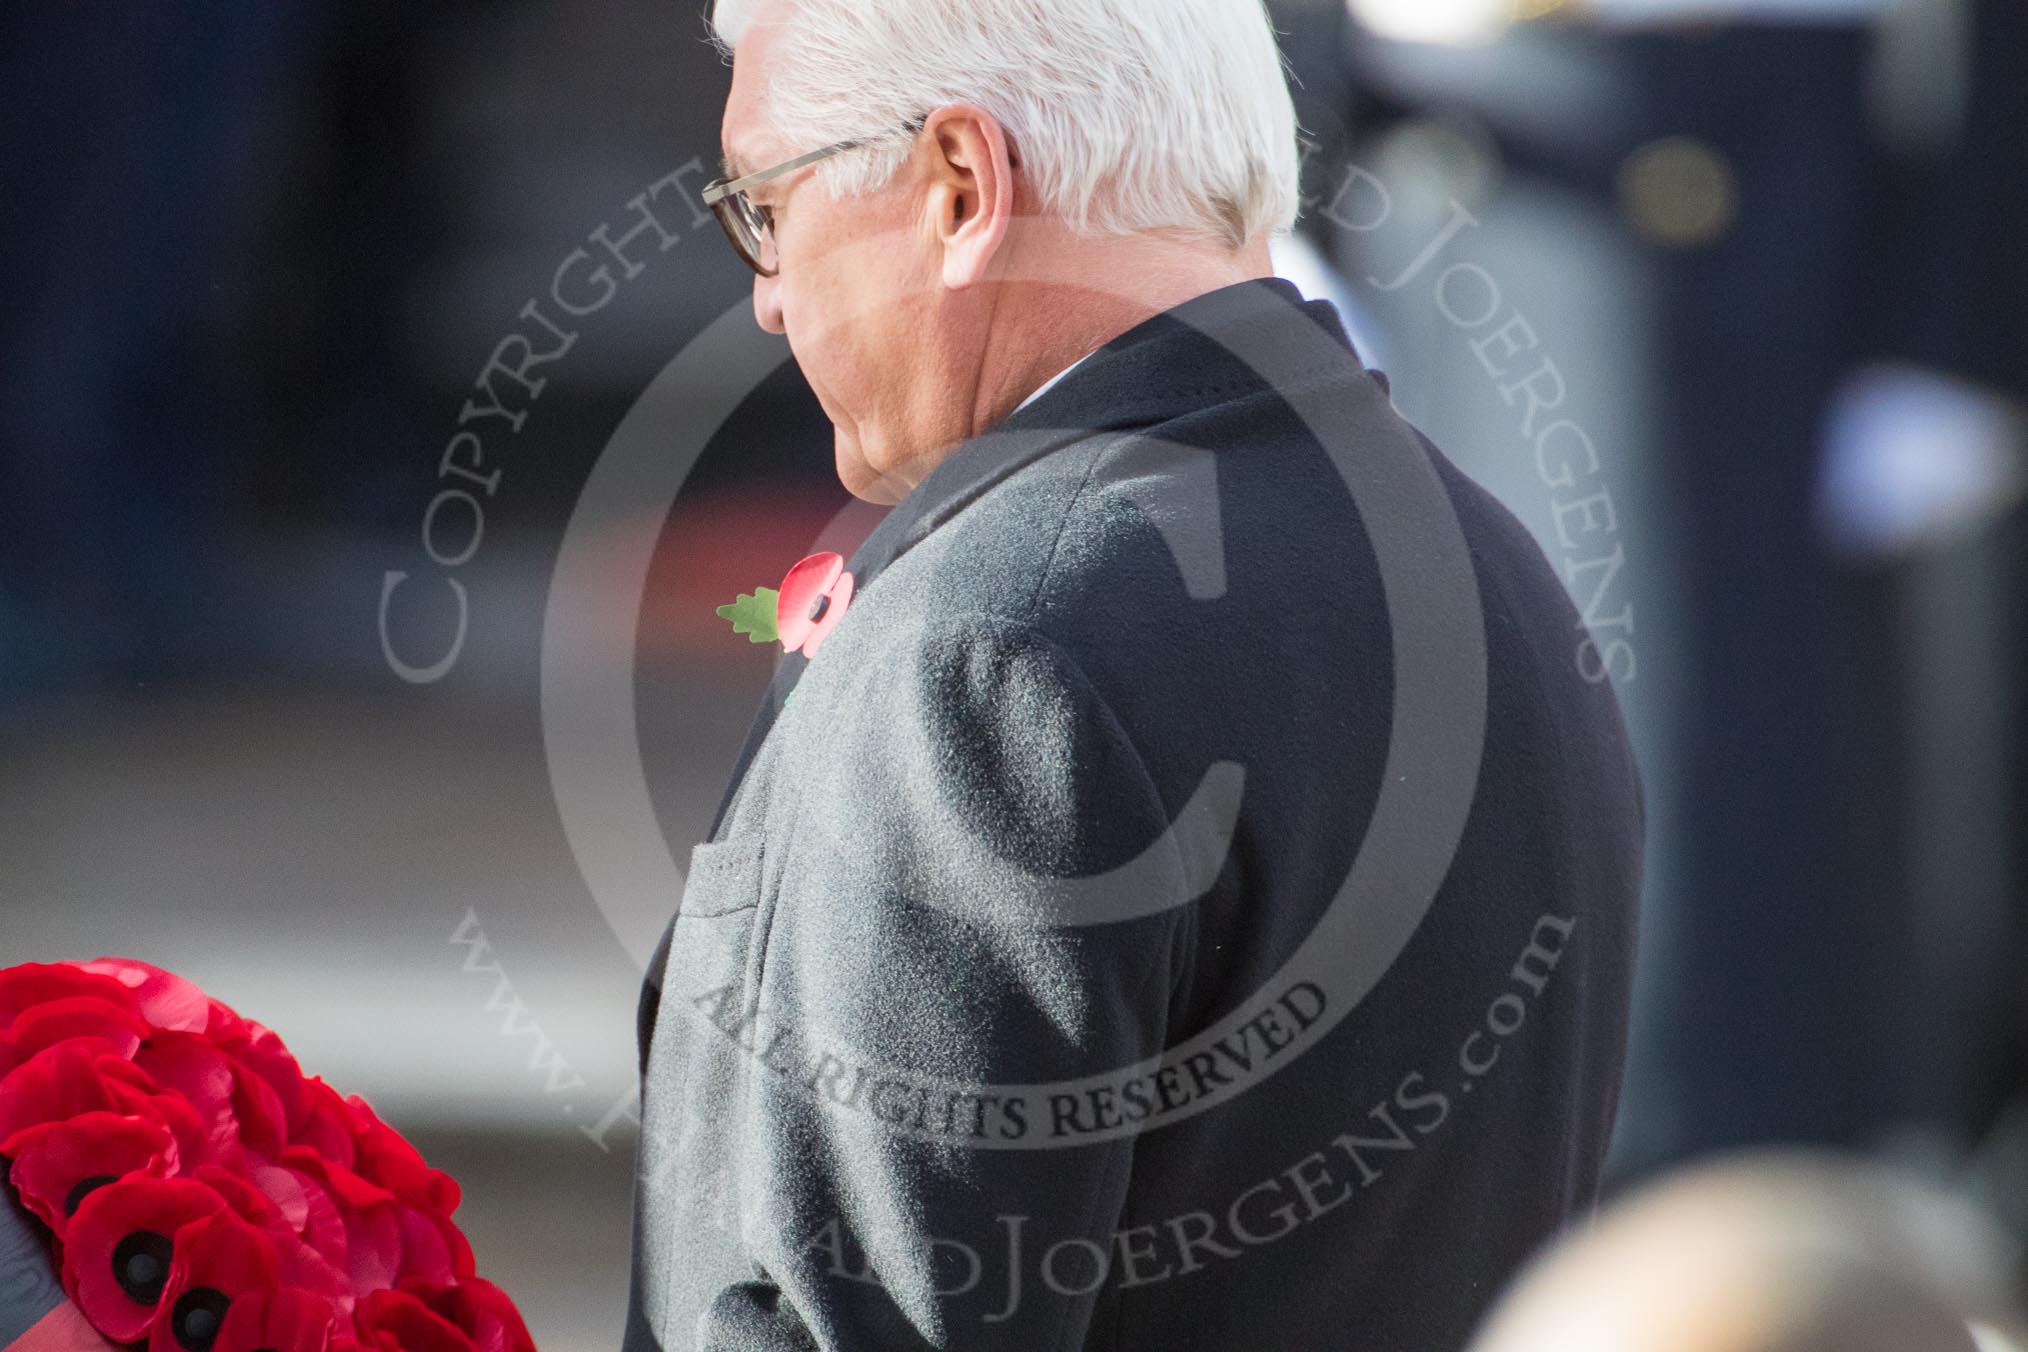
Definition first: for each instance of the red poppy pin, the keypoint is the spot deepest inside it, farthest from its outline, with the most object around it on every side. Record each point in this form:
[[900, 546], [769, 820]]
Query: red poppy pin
[[802, 614]]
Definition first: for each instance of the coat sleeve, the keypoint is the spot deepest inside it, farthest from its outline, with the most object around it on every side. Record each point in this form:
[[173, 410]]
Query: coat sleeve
[[926, 950]]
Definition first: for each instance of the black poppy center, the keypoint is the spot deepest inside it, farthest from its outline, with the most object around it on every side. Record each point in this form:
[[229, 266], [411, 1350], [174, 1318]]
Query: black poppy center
[[141, 1265], [817, 609], [83, 1189], [196, 1318]]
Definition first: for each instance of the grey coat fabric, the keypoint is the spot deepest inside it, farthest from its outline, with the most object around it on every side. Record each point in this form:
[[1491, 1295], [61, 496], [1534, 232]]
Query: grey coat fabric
[[946, 874]]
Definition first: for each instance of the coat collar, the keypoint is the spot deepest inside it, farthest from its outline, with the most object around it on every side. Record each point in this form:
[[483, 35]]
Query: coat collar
[[1168, 365]]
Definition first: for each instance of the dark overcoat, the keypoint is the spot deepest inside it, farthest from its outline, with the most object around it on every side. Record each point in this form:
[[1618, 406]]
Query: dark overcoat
[[1188, 901]]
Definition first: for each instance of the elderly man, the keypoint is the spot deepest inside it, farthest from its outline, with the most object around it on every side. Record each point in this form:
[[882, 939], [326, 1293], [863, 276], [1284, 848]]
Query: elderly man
[[1188, 901]]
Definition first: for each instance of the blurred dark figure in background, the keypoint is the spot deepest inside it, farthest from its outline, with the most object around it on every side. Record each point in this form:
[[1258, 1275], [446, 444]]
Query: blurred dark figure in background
[[126, 144], [1952, 318], [211, 246], [1778, 251]]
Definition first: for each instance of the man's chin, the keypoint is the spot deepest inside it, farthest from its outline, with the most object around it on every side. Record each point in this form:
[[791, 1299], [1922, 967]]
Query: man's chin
[[861, 480]]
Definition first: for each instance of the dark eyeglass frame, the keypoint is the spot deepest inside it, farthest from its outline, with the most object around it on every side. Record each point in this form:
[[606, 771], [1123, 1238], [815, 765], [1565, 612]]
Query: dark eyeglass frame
[[745, 221]]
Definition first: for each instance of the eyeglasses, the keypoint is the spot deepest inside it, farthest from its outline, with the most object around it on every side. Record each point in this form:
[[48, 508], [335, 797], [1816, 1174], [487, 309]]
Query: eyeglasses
[[751, 227]]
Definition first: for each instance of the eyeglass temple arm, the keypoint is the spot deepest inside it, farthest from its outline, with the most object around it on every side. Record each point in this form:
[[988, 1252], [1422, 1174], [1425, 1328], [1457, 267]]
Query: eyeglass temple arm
[[717, 190]]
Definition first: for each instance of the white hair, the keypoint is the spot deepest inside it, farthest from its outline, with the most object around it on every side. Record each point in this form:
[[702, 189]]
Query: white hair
[[1130, 115]]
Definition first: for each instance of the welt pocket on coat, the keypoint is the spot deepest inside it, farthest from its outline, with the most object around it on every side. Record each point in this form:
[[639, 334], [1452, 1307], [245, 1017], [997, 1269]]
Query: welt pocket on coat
[[719, 934], [725, 876]]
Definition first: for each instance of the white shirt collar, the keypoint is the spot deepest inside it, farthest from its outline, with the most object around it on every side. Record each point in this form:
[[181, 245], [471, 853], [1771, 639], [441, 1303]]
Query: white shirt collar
[[1049, 382]]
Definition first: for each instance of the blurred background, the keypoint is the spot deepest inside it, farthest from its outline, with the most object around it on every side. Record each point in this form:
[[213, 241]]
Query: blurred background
[[317, 319]]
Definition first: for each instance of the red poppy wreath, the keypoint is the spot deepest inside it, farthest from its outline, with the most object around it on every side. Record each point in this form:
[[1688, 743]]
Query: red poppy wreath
[[175, 1181]]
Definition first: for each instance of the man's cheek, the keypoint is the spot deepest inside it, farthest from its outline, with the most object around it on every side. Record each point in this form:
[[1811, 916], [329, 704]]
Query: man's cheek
[[828, 331], [816, 366]]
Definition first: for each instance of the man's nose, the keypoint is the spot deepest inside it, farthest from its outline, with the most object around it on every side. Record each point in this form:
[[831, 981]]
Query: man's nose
[[767, 303]]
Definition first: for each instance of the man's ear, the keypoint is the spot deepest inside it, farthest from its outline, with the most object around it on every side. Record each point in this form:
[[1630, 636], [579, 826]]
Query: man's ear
[[971, 192]]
